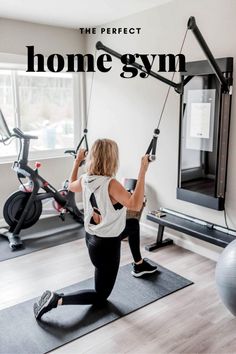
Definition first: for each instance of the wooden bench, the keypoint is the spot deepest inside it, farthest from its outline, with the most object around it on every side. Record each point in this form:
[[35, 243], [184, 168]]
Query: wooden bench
[[203, 232]]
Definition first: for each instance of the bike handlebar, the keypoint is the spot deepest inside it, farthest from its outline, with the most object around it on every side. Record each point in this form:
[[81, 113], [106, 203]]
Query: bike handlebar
[[20, 134], [71, 152]]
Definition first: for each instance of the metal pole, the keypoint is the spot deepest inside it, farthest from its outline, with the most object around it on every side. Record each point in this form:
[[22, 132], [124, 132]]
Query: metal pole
[[193, 26], [101, 46]]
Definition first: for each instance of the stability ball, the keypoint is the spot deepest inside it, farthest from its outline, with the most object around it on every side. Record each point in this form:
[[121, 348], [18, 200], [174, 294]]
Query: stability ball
[[226, 277]]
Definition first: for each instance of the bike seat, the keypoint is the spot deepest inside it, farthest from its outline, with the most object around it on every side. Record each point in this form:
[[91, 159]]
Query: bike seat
[[20, 134]]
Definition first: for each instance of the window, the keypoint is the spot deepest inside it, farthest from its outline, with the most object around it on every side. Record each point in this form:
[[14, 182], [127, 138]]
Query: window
[[40, 104]]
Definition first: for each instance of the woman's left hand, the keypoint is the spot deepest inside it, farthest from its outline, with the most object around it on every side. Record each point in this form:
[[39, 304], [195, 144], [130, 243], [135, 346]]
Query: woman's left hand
[[81, 155]]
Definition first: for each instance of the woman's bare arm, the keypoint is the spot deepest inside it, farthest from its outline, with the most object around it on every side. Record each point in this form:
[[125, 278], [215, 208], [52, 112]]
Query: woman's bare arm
[[135, 201], [74, 182]]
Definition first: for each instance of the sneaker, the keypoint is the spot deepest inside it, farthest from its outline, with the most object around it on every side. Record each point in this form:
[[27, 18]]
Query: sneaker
[[47, 302], [144, 268]]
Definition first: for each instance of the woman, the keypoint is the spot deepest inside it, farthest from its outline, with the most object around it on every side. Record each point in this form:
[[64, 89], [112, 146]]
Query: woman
[[105, 204]]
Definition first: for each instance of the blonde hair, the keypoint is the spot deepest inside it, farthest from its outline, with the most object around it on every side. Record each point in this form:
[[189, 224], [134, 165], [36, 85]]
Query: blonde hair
[[103, 158]]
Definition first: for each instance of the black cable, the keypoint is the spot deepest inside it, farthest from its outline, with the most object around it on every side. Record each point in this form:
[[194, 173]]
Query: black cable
[[172, 78], [226, 221], [90, 95], [225, 217], [151, 151], [84, 137]]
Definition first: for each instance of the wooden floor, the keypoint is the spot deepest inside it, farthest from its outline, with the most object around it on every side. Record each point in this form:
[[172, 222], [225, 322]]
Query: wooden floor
[[192, 320]]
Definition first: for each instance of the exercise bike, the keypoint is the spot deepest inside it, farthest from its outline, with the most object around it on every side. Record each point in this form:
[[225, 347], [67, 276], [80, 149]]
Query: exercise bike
[[23, 208]]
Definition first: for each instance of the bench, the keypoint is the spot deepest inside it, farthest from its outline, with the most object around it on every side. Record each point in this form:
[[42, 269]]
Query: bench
[[199, 229]]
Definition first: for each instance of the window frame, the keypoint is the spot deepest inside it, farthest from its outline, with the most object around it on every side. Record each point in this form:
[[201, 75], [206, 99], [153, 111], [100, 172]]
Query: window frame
[[77, 112]]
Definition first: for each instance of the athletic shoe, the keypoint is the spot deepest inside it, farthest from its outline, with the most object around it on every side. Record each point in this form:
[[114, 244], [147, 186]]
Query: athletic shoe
[[47, 302], [144, 268]]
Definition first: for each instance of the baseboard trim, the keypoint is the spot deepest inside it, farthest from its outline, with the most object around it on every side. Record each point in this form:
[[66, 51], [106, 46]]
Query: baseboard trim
[[192, 244], [185, 241]]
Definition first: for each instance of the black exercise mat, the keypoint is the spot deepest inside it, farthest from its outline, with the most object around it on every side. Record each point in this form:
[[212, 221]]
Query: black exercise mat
[[20, 333], [47, 232]]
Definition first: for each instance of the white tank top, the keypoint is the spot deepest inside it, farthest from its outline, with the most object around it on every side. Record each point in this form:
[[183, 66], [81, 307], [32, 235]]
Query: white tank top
[[112, 220]]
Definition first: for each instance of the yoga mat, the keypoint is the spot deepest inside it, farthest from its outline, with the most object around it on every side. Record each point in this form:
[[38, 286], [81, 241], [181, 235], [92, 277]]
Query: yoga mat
[[47, 232], [20, 333]]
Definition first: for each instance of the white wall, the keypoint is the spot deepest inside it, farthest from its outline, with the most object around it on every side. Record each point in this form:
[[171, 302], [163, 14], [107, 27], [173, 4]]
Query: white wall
[[15, 35], [128, 110]]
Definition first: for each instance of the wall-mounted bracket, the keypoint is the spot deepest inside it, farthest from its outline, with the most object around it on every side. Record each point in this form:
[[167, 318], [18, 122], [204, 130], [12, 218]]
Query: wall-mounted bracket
[[179, 87]]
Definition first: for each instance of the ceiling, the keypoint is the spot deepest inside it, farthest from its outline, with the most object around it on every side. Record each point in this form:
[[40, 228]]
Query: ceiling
[[73, 13]]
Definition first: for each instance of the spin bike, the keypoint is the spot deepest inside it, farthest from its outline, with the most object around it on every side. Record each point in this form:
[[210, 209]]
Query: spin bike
[[23, 208]]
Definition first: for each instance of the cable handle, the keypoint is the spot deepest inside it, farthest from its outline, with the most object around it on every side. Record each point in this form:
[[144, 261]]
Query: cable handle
[[74, 152], [151, 151], [83, 139]]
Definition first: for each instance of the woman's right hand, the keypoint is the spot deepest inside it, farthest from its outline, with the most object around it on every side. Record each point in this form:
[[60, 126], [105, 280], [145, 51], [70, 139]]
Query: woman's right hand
[[145, 163]]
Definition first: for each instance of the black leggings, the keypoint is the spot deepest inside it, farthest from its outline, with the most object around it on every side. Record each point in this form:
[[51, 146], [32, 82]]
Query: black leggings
[[132, 230], [104, 253]]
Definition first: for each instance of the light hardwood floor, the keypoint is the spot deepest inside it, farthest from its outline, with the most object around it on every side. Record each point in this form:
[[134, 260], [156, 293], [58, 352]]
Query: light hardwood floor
[[192, 320]]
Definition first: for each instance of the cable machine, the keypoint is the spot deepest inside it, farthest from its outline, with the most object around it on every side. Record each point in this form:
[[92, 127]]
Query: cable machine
[[206, 116]]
